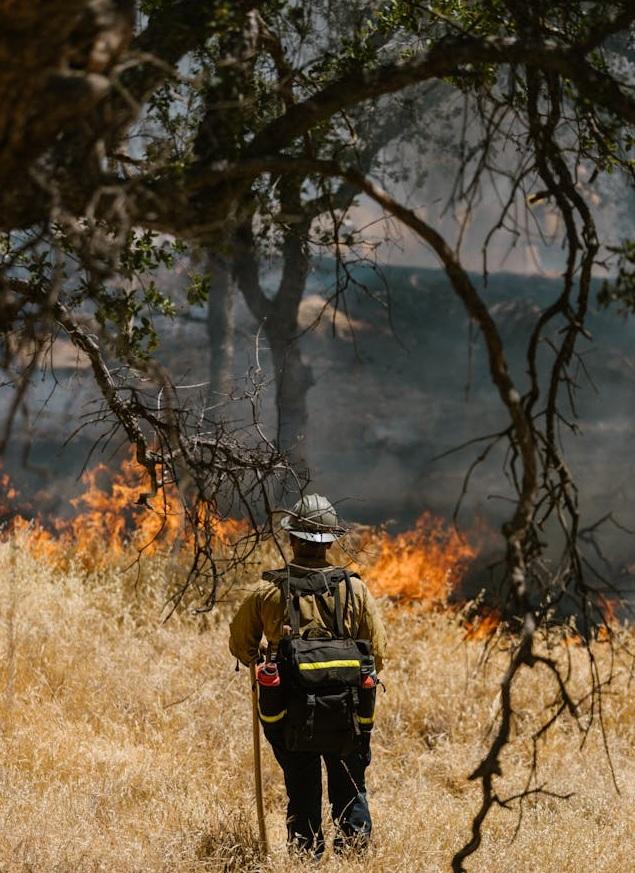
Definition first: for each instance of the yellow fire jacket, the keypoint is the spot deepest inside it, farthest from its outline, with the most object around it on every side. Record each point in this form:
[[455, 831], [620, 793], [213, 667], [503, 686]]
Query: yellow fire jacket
[[264, 611]]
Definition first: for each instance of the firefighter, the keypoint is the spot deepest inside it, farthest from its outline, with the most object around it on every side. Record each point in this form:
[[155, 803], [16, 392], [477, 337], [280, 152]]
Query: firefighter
[[313, 591]]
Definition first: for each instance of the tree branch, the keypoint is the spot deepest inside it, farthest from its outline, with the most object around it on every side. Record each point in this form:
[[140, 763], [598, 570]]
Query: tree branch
[[450, 56]]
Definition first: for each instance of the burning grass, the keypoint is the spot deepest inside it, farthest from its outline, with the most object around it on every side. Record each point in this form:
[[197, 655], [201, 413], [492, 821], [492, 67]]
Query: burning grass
[[423, 564], [126, 744], [112, 519]]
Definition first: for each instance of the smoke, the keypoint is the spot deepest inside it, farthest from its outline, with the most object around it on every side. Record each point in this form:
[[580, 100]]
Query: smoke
[[396, 390]]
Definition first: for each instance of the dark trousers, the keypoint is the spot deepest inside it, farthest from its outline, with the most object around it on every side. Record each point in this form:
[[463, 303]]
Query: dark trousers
[[347, 796]]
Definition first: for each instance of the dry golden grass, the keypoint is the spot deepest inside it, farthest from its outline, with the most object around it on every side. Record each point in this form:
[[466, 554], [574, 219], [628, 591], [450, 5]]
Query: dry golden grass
[[126, 745]]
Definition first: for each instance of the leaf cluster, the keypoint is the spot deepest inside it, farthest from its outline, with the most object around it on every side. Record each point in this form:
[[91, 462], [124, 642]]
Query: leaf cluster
[[620, 292]]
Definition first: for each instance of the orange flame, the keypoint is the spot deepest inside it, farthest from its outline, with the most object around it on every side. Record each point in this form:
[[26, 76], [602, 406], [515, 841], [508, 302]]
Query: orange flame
[[609, 608], [606, 624], [7, 488], [109, 521], [424, 564], [484, 626]]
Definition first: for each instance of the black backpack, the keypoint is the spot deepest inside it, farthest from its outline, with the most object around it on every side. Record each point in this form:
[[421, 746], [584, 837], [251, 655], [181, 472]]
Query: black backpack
[[327, 677]]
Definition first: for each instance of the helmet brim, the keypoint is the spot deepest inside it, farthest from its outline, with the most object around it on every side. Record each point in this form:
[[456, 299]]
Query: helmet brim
[[312, 536]]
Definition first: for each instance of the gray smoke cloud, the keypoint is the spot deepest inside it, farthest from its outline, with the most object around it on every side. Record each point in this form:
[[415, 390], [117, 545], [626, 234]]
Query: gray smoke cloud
[[390, 397]]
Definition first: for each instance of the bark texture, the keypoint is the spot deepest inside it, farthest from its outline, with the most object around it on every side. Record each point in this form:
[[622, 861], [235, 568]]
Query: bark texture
[[56, 59]]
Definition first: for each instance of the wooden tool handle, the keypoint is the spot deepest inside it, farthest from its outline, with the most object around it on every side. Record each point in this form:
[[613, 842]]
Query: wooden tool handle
[[260, 807]]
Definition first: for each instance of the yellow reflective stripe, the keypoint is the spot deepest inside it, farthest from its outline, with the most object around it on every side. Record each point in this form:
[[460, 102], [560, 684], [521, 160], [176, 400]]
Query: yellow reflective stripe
[[363, 720], [270, 719], [325, 665]]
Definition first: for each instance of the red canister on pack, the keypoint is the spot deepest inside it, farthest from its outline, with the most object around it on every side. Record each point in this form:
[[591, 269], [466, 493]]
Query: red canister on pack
[[271, 702], [367, 692], [267, 675]]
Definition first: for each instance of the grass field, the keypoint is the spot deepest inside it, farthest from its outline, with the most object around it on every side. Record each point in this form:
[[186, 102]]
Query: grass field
[[126, 744]]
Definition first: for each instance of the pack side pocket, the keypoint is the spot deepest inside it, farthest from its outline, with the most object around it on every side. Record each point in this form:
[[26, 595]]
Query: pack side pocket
[[366, 708], [272, 707]]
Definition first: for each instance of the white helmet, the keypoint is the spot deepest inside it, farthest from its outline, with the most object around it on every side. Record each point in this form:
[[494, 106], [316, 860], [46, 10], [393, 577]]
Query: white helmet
[[313, 518]]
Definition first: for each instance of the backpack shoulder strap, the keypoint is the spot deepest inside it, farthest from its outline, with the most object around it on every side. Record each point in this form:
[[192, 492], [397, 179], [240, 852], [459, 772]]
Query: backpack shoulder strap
[[338, 614], [350, 599], [293, 603], [282, 579], [318, 583], [336, 576]]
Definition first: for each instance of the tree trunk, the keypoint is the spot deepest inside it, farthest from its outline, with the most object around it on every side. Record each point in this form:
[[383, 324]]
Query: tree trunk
[[293, 378], [220, 326], [280, 322]]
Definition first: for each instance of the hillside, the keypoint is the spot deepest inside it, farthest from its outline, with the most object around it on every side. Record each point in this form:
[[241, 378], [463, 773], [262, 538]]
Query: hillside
[[127, 743]]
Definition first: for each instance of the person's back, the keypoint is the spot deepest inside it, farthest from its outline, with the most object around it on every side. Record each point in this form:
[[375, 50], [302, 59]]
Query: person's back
[[263, 612], [324, 629]]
